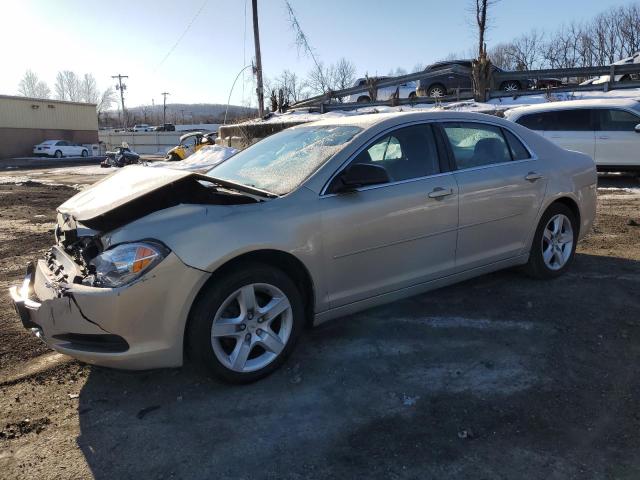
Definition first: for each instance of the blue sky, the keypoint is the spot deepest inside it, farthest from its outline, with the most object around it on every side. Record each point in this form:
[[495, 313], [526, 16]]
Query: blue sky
[[133, 37]]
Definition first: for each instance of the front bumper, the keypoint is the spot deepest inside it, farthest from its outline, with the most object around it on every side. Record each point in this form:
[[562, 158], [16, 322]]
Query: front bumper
[[138, 326]]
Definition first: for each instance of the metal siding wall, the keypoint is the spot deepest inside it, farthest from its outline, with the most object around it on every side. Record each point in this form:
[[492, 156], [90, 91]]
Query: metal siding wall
[[43, 114], [142, 142]]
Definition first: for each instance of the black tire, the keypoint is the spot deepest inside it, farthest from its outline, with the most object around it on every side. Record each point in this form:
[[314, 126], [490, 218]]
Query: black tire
[[173, 157], [510, 86], [536, 267], [364, 99], [437, 90], [85, 153], [198, 336], [412, 95], [58, 154]]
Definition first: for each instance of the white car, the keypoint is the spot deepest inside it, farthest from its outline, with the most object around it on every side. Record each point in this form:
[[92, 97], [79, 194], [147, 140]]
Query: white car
[[60, 148], [635, 58], [606, 130], [142, 127], [405, 90]]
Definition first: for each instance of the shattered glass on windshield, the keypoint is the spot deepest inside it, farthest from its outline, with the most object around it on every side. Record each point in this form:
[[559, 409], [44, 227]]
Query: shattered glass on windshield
[[280, 163]]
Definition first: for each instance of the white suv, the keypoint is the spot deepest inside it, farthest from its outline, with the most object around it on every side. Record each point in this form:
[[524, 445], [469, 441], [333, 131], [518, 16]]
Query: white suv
[[606, 130]]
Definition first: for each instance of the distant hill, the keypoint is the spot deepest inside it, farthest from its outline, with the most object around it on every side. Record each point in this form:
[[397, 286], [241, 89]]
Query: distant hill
[[179, 113]]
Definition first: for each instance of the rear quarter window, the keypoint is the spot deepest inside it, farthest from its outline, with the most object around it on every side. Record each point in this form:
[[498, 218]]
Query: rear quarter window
[[517, 149]]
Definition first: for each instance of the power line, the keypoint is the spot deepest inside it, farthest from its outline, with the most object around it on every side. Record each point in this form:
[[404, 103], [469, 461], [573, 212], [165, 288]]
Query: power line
[[183, 34]]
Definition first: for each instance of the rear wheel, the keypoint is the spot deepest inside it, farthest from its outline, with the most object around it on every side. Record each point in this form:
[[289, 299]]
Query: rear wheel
[[85, 153], [510, 86], [554, 243], [364, 99], [246, 323], [436, 91], [58, 154]]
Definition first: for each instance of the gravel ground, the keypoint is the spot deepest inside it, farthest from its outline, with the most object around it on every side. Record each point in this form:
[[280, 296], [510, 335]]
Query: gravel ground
[[498, 377]]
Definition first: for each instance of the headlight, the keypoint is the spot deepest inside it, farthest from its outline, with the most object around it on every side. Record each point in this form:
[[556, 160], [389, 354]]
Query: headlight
[[124, 263]]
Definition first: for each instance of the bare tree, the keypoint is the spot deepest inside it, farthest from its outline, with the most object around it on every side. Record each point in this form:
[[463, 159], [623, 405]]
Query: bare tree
[[302, 42], [67, 86], [107, 99], [31, 86], [88, 89], [344, 74], [525, 51], [481, 66], [480, 10]]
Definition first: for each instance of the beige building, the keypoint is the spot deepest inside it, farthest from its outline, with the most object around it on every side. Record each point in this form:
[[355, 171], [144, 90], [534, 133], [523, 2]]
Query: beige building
[[25, 122]]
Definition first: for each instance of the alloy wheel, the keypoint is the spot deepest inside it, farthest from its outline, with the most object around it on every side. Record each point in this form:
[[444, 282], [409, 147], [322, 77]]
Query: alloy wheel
[[436, 92], [252, 327], [557, 242], [511, 87]]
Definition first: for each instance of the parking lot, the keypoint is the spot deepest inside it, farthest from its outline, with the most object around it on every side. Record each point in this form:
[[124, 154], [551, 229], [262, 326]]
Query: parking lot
[[498, 377]]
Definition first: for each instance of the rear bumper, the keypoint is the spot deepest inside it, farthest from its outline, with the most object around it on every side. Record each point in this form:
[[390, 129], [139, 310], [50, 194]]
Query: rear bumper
[[139, 326]]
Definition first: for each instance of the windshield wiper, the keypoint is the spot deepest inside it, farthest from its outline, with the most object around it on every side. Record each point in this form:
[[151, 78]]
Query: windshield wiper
[[241, 187]]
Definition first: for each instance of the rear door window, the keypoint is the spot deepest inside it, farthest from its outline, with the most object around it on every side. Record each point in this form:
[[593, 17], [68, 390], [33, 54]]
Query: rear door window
[[574, 120], [476, 144], [614, 120], [538, 121]]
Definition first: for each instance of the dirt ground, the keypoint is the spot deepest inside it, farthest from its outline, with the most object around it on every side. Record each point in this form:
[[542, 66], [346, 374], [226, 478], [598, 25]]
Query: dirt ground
[[498, 377]]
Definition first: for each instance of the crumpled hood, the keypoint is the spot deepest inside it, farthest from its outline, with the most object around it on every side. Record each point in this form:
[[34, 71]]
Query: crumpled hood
[[136, 191]]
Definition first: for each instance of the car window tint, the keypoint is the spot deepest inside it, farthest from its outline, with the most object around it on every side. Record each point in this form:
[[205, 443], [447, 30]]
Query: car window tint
[[539, 121], [61, 143], [613, 120], [518, 150], [407, 153], [476, 144], [574, 120]]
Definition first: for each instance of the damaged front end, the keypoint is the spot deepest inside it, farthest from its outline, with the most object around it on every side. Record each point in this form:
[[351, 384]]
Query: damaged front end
[[122, 305]]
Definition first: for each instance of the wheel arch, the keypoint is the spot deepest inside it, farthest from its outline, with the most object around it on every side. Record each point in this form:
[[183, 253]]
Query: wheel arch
[[284, 261], [572, 205]]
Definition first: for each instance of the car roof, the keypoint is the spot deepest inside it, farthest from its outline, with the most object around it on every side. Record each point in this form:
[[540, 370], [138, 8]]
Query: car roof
[[448, 62], [50, 141], [398, 118], [589, 103]]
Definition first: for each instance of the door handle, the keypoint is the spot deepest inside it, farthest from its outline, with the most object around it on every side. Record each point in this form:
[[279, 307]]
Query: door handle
[[440, 192], [604, 137], [532, 177]]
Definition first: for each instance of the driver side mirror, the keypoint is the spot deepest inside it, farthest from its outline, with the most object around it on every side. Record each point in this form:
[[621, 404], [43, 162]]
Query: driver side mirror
[[637, 128], [360, 175]]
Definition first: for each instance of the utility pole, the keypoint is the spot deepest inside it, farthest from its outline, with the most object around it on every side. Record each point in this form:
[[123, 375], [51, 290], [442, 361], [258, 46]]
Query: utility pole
[[182, 111], [256, 38], [122, 88], [164, 108]]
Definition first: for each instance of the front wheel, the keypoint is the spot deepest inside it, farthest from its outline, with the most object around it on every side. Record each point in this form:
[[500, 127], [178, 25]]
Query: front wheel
[[554, 243], [245, 324]]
